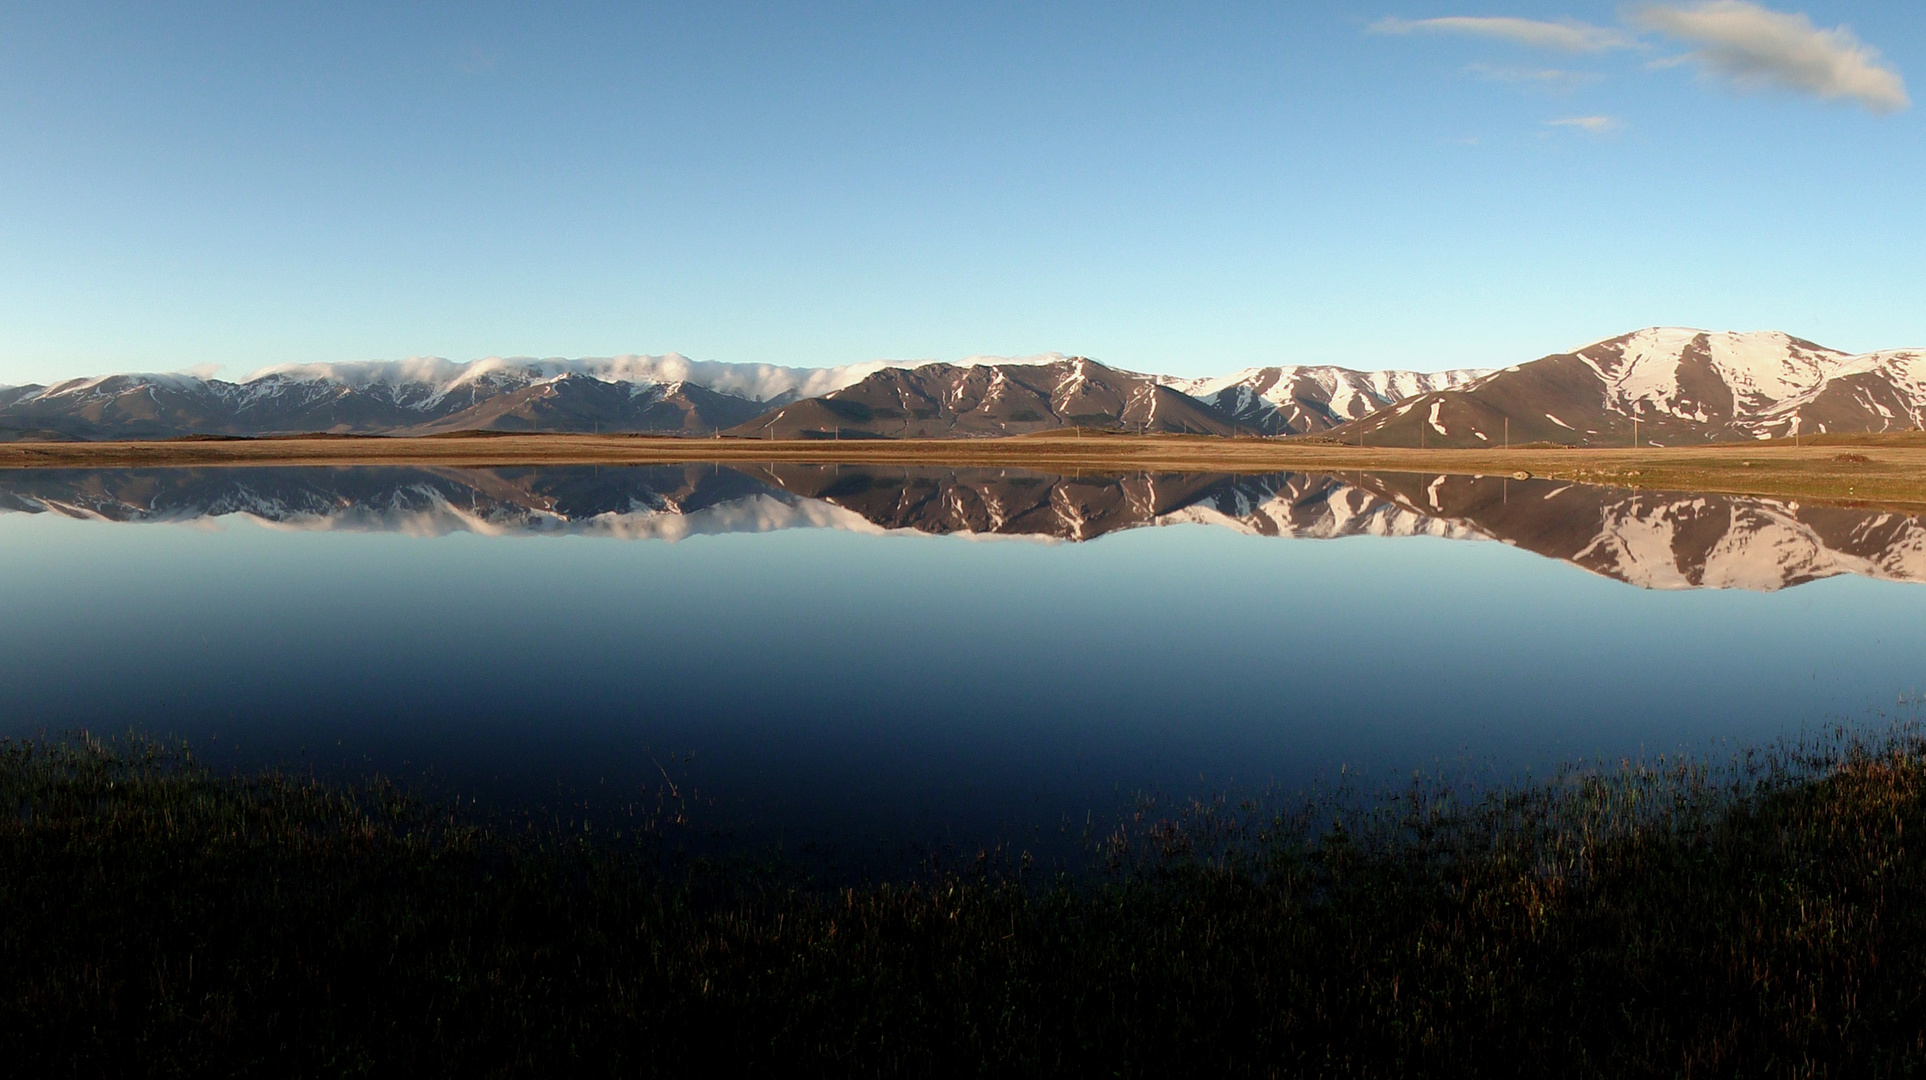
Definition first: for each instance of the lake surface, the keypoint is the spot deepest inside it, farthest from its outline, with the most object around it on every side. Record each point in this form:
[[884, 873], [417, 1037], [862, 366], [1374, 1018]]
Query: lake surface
[[862, 655]]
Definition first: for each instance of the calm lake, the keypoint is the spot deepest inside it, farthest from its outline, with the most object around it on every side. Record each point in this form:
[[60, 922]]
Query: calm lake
[[859, 656]]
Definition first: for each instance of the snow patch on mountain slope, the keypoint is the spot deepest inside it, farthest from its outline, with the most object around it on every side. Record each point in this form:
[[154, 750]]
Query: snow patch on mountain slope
[[1904, 369]]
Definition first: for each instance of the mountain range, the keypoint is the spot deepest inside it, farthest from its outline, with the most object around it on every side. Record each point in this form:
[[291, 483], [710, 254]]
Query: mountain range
[[1664, 386], [672, 394], [1654, 540]]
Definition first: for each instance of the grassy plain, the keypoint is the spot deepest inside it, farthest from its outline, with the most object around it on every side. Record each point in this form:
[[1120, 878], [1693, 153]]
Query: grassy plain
[[1762, 919], [1870, 469]]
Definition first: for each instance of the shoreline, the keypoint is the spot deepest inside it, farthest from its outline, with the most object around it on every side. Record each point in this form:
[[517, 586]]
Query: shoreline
[[1870, 470]]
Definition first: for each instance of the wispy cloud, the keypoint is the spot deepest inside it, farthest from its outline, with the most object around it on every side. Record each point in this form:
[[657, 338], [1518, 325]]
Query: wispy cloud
[[1754, 47], [1550, 78], [1569, 36], [1591, 125]]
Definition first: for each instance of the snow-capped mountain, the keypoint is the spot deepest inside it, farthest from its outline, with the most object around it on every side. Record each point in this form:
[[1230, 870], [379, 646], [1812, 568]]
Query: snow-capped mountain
[[1300, 400], [1654, 540], [1681, 385], [985, 398]]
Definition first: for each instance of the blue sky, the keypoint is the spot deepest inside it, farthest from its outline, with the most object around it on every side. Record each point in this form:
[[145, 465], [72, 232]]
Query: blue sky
[[1179, 188]]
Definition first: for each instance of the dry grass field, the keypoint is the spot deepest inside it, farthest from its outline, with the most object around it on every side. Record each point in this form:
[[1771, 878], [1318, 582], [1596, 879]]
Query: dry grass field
[[1868, 469]]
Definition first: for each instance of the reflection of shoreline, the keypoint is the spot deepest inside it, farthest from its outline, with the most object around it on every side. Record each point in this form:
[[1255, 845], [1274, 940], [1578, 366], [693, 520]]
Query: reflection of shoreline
[[1650, 539]]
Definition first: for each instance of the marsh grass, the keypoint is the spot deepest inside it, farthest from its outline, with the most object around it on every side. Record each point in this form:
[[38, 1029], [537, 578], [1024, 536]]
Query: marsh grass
[[1764, 917]]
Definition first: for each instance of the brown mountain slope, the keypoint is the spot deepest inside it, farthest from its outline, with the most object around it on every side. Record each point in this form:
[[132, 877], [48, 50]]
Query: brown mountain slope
[[951, 401], [582, 403]]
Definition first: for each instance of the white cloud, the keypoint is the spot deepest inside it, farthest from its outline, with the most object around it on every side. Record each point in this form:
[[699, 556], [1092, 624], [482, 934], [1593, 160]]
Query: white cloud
[[1755, 47], [1551, 78], [1569, 36], [1595, 125]]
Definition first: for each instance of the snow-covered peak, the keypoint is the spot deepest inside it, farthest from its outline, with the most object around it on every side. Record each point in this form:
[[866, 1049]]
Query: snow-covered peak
[[1761, 368]]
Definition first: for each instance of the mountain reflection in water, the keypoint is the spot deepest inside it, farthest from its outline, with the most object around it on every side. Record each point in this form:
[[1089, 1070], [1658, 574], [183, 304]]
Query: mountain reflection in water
[[1655, 540]]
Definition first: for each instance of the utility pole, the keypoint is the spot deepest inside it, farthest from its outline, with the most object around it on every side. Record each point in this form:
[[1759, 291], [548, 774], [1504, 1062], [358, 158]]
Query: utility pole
[[1635, 433], [1507, 432]]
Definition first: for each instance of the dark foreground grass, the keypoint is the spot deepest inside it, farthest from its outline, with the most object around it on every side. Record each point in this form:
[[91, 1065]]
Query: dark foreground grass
[[1763, 919]]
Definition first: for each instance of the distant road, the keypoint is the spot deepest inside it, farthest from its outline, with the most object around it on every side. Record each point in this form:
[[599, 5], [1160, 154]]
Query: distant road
[[1863, 469]]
